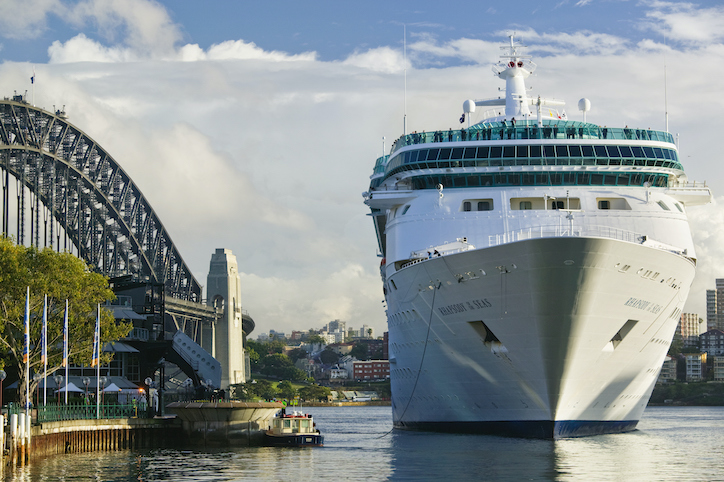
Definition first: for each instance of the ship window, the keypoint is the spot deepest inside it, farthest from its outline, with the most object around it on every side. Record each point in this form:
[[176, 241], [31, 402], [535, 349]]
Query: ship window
[[457, 153], [522, 151], [678, 207], [575, 151], [597, 179], [509, 151], [610, 180], [587, 151], [470, 153], [600, 151], [407, 208], [445, 153], [615, 203], [649, 152], [535, 151], [525, 205], [483, 152], [549, 151], [485, 205], [432, 154], [556, 204], [626, 151], [466, 206], [528, 179], [659, 154], [663, 205], [613, 151], [637, 151], [556, 178], [561, 151], [495, 151]]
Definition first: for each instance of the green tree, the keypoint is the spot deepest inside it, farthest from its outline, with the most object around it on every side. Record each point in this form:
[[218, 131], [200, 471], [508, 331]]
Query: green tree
[[315, 340], [60, 276], [328, 356], [286, 389], [314, 392], [297, 354], [280, 366], [261, 388], [359, 351]]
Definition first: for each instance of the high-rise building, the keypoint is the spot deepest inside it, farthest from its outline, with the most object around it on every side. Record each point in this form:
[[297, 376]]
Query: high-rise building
[[710, 309], [223, 290], [715, 307], [689, 328], [337, 325]]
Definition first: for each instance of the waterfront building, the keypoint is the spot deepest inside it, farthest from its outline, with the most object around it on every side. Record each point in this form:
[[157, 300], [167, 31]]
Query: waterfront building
[[223, 291], [371, 370], [712, 342], [695, 364], [718, 368], [668, 370]]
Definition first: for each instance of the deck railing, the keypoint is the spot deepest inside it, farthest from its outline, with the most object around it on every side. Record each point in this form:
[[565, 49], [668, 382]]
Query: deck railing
[[56, 413], [561, 130], [565, 231]]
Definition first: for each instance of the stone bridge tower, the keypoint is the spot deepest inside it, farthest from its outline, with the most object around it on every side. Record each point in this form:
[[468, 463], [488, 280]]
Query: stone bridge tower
[[223, 290]]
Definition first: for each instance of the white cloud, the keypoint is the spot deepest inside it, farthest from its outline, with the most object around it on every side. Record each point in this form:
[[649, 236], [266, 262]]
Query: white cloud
[[24, 19], [686, 22], [382, 59]]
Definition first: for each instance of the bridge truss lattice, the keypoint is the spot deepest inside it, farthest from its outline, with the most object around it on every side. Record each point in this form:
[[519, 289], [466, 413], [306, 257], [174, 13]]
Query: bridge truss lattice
[[86, 193]]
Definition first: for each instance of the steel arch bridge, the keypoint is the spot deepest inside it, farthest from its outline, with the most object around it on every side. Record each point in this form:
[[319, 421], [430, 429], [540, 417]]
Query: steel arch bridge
[[86, 193]]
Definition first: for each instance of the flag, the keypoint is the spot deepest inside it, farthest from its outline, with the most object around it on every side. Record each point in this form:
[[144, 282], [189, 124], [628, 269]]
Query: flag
[[65, 336], [32, 79], [97, 340], [44, 334], [26, 337]]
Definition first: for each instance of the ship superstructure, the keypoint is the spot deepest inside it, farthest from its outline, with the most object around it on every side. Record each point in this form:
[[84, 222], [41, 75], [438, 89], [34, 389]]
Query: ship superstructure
[[534, 267]]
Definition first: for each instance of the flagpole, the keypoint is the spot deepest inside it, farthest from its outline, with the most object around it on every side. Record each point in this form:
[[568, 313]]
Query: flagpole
[[97, 360], [44, 348], [65, 349], [26, 349]]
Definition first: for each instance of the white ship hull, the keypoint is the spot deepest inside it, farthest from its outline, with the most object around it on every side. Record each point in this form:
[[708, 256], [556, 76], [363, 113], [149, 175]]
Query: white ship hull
[[550, 337]]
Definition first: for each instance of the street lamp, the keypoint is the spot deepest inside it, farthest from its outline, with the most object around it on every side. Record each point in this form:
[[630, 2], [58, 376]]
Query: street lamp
[[86, 382], [58, 380], [36, 379], [103, 381]]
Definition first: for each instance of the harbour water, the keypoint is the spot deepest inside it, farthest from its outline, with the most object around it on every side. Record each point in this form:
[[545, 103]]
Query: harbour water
[[671, 443]]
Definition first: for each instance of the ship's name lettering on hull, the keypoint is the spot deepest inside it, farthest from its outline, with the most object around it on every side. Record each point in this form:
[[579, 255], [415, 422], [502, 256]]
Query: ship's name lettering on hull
[[464, 306], [643, 305]]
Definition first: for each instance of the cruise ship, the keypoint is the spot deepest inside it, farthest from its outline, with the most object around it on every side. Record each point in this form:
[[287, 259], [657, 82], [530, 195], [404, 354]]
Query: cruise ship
[[534, 267]]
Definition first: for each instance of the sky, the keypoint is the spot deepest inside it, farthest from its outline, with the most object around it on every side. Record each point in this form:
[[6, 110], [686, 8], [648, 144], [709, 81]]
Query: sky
[[254, 126]]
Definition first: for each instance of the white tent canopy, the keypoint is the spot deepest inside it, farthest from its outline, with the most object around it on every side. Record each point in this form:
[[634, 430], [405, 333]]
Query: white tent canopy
[[112, 388], [70, 388]]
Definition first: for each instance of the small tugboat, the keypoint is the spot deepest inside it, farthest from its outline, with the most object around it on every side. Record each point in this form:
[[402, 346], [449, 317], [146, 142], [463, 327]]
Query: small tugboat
[[293, 430]]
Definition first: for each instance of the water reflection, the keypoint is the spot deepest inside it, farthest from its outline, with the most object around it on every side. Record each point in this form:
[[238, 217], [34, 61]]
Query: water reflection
[[682, 443]]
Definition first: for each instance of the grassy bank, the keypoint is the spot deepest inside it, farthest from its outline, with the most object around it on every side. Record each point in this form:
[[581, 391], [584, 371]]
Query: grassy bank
[[692, 393]]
